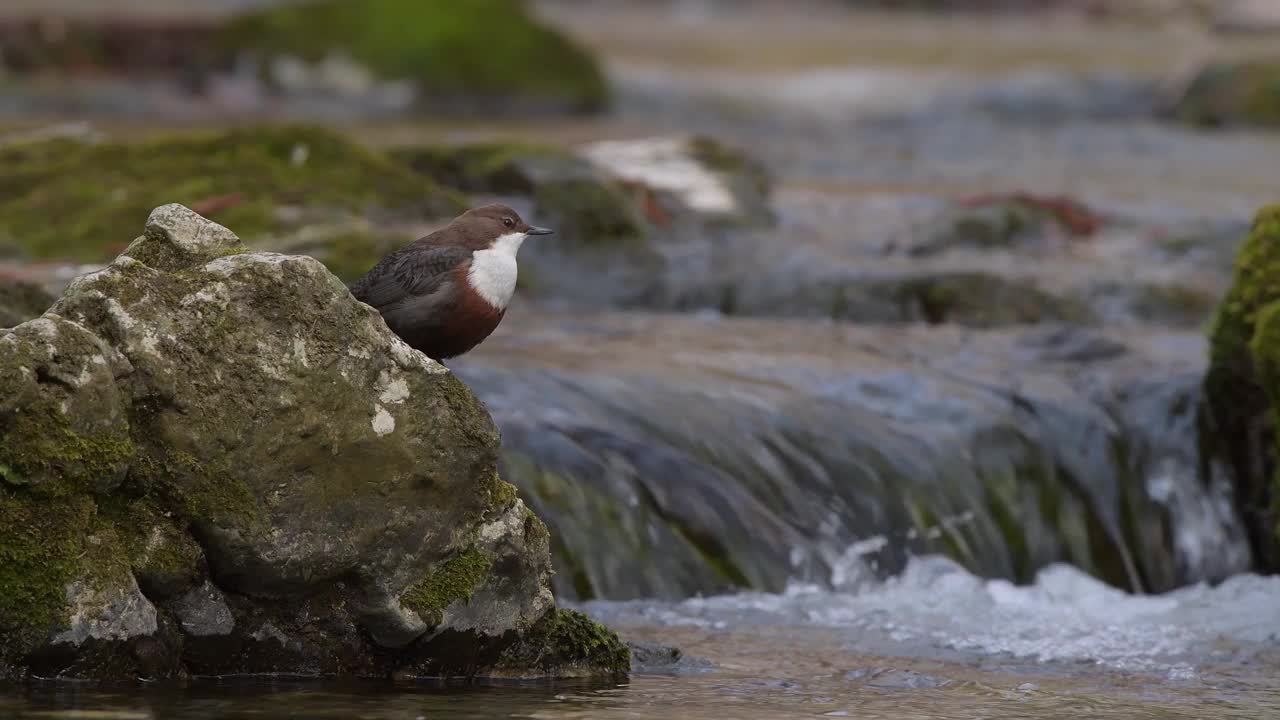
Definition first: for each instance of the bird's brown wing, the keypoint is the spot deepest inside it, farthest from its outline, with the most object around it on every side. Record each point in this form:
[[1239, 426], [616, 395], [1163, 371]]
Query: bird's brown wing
[[416, 271]]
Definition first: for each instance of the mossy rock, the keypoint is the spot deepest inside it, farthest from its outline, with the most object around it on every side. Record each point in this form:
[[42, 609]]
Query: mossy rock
[[215, 461], [489, 54], [64, 199], [1242, 387], [1240, 93], [568, 643]]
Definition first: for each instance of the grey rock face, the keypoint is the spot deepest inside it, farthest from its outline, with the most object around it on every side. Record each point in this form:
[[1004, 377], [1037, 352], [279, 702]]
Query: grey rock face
[[293, 488]]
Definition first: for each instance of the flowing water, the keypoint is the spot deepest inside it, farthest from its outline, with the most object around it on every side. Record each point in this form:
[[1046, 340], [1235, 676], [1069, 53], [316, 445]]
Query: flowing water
[[858, 511], [934, 642]]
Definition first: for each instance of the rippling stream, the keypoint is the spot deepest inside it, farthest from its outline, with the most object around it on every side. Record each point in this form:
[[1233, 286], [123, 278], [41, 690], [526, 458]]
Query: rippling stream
[[875, 515]]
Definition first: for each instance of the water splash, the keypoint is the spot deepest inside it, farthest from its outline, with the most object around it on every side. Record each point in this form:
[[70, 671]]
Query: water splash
[[935, 608]]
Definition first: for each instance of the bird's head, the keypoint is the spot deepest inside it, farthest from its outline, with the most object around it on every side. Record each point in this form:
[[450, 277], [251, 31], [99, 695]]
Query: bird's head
[[490, 226]]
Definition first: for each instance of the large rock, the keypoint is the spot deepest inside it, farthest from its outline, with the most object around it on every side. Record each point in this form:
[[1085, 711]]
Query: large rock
[[1243, 384], [214, 461]]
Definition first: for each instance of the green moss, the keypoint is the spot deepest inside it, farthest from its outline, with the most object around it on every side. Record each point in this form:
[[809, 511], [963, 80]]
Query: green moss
[[1256, 285], [66, 199], [566, 643], [482, 51], [535, 531], [39, 444], [1241, 384], [1244, 93], [40, 547], [157, 549], [202, 493], [455, 579], [501, 493]]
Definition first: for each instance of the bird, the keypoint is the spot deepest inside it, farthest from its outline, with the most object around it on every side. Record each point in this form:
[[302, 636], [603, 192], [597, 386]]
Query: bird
[[443, 294]]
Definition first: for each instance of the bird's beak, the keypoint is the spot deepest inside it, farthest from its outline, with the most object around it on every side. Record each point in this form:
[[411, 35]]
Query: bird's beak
[[539, 231]]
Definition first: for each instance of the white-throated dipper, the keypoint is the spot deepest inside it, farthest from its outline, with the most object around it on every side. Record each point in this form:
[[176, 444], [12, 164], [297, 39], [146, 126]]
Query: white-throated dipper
[[444, 293]]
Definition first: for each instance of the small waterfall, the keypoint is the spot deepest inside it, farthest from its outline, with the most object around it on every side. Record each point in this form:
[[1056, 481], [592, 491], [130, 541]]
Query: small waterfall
[[676, 456]]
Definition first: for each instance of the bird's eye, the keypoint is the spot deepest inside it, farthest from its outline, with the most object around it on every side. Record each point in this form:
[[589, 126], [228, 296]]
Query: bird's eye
[[508, 222]]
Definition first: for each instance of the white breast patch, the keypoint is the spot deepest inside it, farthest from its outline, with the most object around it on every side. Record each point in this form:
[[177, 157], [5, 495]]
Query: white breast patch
[[493, 271]]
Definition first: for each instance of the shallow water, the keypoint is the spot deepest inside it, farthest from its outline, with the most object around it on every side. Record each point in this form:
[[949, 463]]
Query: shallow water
[[935, 642]]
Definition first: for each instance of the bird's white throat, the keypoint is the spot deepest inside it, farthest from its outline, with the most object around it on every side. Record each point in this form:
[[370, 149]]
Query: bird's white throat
[[493, 270]]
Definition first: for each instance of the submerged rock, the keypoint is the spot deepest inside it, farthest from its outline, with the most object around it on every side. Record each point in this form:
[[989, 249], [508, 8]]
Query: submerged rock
[[1003, 221], [1243, 385], [214, 461], [1232, 94]]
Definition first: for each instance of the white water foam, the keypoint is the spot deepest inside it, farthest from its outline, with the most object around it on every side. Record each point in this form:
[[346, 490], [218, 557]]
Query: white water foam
[[1065, 616]]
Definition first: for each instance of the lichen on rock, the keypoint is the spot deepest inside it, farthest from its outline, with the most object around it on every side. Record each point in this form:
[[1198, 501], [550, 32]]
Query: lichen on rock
[[216, 461]]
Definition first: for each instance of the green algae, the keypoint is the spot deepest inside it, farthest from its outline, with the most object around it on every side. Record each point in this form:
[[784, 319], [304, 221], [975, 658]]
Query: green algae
[[71, 200], [454, 579], [488, 53]]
